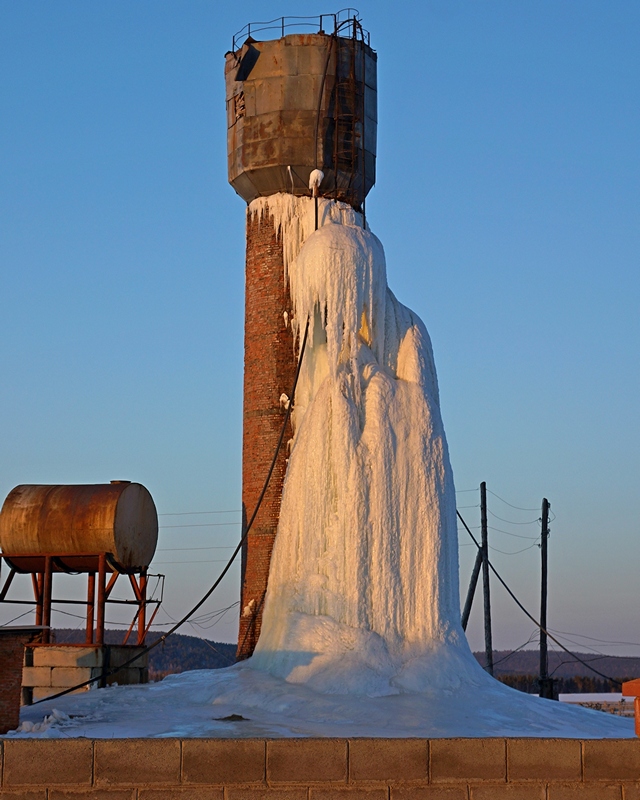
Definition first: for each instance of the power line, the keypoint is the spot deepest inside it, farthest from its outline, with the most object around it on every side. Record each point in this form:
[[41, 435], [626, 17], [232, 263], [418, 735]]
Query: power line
[[189, 513], [514, 552], [518, 508], [201, 525], [511, 522], [594, 639], [199, 561], [529, 640], [535, 621], [517, 535], [184, 549], [211, 590]]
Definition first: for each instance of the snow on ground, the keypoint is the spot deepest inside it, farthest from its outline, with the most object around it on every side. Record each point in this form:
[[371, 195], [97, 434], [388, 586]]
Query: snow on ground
[[361, 631], [195, 704]]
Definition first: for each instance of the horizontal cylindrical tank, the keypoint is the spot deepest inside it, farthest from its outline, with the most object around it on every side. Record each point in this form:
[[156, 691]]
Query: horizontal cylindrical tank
[[118, 518], [298, 103]]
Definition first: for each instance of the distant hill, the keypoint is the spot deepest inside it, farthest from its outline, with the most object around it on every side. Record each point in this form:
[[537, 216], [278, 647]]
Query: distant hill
[[178, 653], [562, 665], [181, 653], [520, 670]]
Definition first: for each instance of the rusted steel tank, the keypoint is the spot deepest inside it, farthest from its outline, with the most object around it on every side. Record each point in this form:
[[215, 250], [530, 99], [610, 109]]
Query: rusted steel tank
[[302, 102], [75, 522]]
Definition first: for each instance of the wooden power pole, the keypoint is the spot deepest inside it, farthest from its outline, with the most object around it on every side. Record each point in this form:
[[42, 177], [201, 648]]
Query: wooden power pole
[[546, 683], [488, 644]]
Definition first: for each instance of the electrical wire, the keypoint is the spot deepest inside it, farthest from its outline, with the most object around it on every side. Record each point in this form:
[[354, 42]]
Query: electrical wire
[[511, 522], [533, 619], [518, 508], [517, 535], [216, 583], [201, 525], [191, 513], [185, 549], [594, 639], [199, 561], [514, 552], [30, 611], [529, 640]]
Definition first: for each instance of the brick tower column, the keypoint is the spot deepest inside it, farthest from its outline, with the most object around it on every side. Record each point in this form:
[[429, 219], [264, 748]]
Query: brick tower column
[[269, 370]]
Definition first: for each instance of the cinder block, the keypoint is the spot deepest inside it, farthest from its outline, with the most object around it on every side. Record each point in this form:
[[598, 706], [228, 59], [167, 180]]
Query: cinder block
[[120, 654], [221, 761], [388, 759], [611, 759], [266, 793], [192, 793], [302, 760], [27, 794], [91, 794], [429, 793], [36, 676], [60, 656], [348, 793], [544, 759], [519, 791], [137, 762], [47, 762], [64, 677], [582, 791], [468, 759], [40, 692]]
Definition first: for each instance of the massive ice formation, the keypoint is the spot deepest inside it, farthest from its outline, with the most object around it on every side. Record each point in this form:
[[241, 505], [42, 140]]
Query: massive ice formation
[[363, 588], [363, 591]]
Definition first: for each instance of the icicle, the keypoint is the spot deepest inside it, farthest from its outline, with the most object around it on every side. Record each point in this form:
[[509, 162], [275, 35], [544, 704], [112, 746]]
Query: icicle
[[363, 587]]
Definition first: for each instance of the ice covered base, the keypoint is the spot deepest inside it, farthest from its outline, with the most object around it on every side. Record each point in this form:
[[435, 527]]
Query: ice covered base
[[195, 704]]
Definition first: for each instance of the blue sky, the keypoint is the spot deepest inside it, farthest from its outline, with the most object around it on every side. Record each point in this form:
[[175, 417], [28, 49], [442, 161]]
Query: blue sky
[[507, 202]]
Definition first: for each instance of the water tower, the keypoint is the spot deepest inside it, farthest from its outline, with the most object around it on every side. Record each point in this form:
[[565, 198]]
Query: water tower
[[301, 95]]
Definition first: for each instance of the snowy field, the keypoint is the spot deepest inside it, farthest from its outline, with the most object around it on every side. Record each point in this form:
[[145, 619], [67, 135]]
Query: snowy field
[[196, 703]]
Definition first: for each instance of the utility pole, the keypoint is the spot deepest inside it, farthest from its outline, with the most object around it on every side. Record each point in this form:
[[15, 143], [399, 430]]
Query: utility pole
[[464, 620], [546, 683], [488, 644]]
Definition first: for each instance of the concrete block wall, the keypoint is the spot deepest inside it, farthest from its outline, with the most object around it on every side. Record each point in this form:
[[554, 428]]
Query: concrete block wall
[[269, 370], [50, 668], [320, 769]]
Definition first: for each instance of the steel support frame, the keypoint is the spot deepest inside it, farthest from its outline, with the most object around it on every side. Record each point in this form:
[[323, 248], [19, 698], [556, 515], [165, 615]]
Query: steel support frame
[[99, 588]]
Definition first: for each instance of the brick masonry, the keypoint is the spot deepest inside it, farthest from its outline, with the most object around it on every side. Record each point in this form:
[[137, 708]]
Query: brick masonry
[[269, 370], [12, 645], [320, 769]]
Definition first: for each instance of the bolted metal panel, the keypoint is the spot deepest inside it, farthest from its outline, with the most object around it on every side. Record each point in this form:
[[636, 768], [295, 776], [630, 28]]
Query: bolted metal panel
[[298, 103], [119, 518]]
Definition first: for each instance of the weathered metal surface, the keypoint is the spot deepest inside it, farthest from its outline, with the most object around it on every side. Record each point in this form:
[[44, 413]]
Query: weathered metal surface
[[118, 518], [302, 102]]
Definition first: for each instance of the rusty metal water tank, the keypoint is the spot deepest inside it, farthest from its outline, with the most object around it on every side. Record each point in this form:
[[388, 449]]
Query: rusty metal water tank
[[301, 102], [118, 518]]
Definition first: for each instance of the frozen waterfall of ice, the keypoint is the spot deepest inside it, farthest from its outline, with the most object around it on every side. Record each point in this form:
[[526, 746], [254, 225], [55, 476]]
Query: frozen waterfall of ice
[[361, 633], [363, 587]]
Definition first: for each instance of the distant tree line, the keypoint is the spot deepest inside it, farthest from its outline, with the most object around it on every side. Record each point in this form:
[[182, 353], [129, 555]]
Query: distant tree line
[[578, 684]]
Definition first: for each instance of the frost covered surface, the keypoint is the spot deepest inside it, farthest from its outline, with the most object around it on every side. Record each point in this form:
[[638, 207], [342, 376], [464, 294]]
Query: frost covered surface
[[363, 588], [361, 630], [195, 704]]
